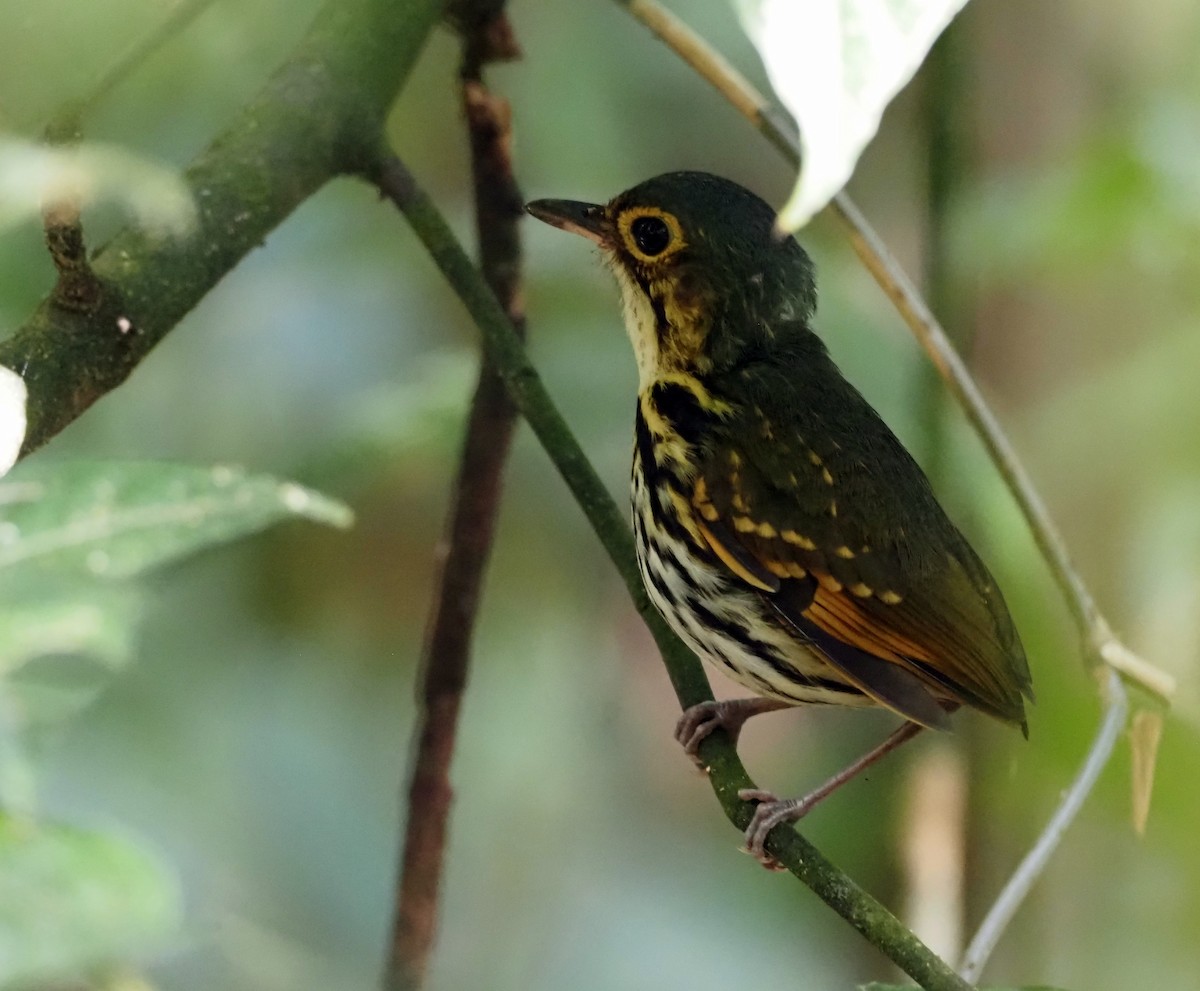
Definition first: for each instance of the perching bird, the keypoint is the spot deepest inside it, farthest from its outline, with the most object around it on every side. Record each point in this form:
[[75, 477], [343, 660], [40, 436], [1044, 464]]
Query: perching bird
[[782, 530]]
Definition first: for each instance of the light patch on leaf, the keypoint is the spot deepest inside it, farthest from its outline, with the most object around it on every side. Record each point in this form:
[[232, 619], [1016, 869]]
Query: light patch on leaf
[[52, 615], [835, 65], [13, 396], [72, 900], [33, 176], [113, 520]]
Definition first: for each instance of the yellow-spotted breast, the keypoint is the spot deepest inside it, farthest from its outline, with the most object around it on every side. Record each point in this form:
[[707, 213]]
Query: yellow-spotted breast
[[782, 530]]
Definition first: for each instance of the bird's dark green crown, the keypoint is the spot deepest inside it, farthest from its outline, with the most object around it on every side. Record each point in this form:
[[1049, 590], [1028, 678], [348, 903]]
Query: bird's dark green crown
[[704, 254]]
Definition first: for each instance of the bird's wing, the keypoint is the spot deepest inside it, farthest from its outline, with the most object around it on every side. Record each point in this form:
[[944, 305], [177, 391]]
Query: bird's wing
[[823, 538]]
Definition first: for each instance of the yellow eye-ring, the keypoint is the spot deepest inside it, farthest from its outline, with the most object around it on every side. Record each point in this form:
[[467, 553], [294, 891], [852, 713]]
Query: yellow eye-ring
[[650, 234]]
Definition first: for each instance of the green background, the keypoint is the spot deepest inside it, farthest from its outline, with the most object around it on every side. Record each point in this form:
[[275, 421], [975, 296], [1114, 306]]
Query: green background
[[258, 746]]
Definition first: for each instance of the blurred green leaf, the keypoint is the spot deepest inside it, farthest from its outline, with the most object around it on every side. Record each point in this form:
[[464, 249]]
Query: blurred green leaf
[[115, 519], [393, 423], [72, 900], [1118, 198], [46, 615]]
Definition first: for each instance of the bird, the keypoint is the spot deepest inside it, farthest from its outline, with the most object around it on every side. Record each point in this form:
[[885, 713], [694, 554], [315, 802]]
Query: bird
[[782, 529]]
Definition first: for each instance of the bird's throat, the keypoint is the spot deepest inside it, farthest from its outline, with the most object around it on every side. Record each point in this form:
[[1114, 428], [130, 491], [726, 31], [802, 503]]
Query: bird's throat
[[642, 325]]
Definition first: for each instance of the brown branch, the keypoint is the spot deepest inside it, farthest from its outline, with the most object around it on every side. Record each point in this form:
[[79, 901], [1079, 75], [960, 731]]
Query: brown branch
[[471, 526]]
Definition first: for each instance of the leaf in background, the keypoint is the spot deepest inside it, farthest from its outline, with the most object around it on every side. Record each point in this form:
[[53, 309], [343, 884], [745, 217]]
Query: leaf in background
[[118, 519], [47, 627], [73, 900], [1145, 736], [34, 174], [44, 615], [12, 417], [835, 65]]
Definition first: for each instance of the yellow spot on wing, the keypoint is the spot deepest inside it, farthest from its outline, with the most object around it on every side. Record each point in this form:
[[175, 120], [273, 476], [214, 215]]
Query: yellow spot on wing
[[801, 541], [891, 598], [731, 562], [845, 552], [861, 589]]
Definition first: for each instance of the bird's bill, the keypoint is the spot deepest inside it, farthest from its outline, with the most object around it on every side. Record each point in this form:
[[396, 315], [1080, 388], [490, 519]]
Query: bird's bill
[[585, 219]]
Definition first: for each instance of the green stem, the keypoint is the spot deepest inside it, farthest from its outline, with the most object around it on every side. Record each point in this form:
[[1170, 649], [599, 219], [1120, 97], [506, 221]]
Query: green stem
[[309, 124], [726, 773]]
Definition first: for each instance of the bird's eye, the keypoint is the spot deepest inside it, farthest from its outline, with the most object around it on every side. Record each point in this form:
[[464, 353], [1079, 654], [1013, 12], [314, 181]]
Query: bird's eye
[[651, 235]]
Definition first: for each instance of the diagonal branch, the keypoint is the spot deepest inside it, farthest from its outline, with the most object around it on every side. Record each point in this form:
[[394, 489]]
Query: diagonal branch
[[307, 125], [727, 775], [475, 504]]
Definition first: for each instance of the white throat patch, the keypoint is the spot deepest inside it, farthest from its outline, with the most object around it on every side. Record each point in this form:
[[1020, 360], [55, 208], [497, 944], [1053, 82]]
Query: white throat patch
[[641, 326]]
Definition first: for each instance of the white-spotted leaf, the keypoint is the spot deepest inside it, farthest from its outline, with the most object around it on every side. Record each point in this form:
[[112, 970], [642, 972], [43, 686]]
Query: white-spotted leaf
[[119, 519], [835, 65], [12, 417], [72, 901]]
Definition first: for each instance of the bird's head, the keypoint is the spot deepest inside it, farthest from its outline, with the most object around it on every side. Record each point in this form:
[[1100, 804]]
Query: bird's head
[[706, 281]]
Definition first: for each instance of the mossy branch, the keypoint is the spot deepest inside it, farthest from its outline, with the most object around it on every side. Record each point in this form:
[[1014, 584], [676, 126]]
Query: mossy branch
[[309, 123], [726, 772]]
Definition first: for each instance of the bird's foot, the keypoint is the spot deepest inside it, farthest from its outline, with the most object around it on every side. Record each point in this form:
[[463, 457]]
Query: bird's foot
[[772, 811], [698, 722]]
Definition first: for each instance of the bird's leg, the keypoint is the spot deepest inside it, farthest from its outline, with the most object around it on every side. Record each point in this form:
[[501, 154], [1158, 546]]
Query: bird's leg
[[699, 721], [772, 811]]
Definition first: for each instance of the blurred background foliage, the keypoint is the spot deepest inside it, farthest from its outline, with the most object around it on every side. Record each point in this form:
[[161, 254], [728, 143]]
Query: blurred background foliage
[[256, 747]]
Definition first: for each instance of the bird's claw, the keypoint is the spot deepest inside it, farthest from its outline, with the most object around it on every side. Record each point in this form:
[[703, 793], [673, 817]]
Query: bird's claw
[[770, 812], [697, 723]]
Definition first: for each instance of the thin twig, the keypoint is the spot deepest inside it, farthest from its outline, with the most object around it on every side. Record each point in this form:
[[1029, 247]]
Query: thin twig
[[1031, 868], [490, 425], [727, 775], [64, 126], [1100, 642]]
